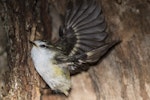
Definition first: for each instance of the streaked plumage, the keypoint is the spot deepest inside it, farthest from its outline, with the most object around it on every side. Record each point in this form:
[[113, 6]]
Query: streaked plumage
[[82, 42], [84, 33]]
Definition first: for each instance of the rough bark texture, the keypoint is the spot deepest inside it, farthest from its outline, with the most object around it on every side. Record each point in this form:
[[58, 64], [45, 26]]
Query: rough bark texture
[[123, 74]]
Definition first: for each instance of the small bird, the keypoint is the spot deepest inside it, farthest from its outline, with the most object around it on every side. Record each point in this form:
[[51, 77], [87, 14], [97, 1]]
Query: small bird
[[83, 41]]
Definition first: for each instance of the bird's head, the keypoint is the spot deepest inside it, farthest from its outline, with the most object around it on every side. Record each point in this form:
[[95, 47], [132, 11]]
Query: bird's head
[[42, 50], [40, 44]]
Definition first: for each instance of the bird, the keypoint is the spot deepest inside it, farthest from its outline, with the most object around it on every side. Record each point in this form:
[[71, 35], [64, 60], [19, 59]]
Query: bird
[[83, 41]]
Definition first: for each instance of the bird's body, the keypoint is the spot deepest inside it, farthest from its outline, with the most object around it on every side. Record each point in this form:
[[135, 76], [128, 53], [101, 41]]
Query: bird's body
[[56, 75], [82, 42]]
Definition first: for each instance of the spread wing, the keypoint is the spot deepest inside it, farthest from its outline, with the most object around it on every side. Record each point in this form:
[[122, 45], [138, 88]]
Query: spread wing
[[83, 34]]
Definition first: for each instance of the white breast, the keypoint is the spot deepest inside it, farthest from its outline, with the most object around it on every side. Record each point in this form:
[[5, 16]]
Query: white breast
[[42, 59]]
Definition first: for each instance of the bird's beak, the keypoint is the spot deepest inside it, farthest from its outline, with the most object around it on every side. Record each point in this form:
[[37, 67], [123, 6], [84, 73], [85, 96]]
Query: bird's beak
[[32, 43]]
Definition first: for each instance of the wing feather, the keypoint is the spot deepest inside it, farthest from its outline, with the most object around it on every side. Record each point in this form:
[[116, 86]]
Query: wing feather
[[92, 29], [84, 35], [93, 37], [76, 12], [86, 12]]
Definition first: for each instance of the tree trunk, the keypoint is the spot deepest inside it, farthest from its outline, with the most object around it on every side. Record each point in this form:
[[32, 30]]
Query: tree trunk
[[123, 74]]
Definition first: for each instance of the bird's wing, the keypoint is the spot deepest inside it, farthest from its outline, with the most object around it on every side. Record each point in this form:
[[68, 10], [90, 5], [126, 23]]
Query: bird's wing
[[83, 34], [84, 27]]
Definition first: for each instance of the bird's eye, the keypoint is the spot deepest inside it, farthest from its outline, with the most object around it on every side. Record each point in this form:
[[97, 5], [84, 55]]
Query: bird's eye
[[43, 46]]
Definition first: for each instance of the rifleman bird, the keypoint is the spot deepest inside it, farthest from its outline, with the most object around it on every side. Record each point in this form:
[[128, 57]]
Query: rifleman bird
[[83, 41]]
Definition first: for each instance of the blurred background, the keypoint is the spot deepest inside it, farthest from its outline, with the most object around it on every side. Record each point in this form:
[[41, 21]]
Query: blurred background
[[3, 53]]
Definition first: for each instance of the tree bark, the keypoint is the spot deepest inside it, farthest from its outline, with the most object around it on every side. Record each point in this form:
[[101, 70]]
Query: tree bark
[[123, 74]]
